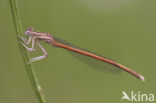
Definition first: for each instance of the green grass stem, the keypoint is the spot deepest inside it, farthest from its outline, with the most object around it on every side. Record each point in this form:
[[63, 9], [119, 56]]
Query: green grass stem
[[30, 71]]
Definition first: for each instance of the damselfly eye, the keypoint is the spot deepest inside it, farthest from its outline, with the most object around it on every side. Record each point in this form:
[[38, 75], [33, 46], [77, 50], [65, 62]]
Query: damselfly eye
[[27, 33]]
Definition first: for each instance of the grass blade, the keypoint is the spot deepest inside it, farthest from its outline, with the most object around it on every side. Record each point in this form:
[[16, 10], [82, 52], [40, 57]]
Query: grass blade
[[30, 71]]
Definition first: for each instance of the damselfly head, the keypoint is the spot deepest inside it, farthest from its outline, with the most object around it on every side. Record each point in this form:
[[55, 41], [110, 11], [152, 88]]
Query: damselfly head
[[29, 31]]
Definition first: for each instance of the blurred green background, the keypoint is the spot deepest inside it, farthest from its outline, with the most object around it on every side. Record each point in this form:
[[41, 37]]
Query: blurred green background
[[122, 29]]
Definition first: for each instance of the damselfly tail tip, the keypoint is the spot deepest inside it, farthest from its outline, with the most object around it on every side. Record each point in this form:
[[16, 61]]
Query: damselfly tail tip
[[142, 78]]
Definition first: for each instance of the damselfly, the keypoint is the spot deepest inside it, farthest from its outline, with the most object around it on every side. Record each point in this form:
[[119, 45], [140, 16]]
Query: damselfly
[[35, 37]]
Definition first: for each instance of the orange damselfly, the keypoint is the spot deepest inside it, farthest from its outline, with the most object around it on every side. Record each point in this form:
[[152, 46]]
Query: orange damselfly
[[35, 37]]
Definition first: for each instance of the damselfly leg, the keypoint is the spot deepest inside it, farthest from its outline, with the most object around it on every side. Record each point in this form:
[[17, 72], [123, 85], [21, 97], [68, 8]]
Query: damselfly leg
[[34, 41]]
